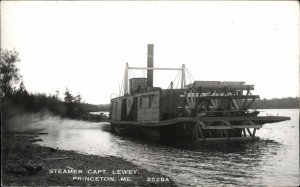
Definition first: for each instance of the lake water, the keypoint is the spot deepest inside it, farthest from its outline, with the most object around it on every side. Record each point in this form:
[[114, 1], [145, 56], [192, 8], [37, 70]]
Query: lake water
[[273, 160]]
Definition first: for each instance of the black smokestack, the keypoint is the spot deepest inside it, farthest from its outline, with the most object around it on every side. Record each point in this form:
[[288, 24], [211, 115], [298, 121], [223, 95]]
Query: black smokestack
[[150, 65]]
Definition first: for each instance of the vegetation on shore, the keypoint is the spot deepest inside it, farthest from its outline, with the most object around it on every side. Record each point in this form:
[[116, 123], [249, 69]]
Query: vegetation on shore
[[15, 99], [279, 103]]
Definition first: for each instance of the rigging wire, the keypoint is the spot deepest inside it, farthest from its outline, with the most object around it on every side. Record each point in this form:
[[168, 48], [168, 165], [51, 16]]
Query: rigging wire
[[131, 73], [123, 85], [174, 81], [179, 79], [189, 78], [190, 74]]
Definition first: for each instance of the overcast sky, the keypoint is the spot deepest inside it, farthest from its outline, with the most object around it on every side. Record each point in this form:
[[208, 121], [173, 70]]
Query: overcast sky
[[84, 46]]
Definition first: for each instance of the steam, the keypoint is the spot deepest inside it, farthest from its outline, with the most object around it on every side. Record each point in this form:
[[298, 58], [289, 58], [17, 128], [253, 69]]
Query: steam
[[44, 121]]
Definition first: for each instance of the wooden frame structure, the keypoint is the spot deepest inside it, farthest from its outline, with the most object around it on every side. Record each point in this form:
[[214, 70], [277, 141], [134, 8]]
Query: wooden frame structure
[[200, 111], [127, 68]]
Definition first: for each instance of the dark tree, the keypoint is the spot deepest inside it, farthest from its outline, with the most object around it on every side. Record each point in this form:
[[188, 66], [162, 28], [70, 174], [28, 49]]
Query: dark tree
[[9, 72], [68, 97]]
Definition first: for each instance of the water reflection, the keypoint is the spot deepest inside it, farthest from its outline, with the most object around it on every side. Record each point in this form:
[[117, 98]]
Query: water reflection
[[273, 160]]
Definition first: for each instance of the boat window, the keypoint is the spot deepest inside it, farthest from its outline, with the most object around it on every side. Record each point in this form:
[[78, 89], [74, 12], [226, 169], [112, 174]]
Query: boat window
[[150, 100], [141, 102]]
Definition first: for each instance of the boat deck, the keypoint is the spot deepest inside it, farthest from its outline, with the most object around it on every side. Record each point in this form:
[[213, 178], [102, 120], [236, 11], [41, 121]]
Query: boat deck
[[258, 120]]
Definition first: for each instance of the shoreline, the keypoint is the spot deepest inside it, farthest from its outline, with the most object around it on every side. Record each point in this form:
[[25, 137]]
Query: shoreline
[[25, 163]]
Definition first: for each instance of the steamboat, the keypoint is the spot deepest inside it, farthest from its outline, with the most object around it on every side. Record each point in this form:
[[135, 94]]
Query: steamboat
[[198, 111]]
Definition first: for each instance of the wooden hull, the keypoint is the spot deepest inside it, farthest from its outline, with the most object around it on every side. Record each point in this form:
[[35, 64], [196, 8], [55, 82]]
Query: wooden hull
[[178, 133], [226, 129]]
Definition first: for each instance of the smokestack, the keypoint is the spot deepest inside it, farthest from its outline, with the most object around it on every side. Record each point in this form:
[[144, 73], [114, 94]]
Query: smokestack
[[150, 65]]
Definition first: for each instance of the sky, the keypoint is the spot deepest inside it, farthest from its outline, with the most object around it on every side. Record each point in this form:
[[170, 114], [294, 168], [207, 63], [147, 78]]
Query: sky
[[84, 46]]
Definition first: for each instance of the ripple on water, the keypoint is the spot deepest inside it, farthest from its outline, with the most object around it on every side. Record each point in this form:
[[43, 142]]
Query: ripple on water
[[274, 160]]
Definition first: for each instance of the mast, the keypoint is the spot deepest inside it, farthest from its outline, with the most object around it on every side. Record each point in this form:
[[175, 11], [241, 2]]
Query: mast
[[183, 81], [126, 80]]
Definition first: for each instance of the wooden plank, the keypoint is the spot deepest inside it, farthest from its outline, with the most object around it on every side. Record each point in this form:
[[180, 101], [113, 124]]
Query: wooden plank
[[55, 159], [229, 97], [242, 118], [216, 127], [154, 68], [232, 127], [227, 87], [246, 126], [230, 139]]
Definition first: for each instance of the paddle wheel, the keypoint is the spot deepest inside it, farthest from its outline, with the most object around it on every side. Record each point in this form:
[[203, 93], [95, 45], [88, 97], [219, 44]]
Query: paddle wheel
[[221, 109]]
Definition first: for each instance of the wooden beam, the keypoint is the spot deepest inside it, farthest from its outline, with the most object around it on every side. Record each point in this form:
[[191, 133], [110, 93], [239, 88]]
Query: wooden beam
[[244, 103], [195, 131], [244, 118], [239, 103], [154, 68], [249, 131], [229, 97], [200, 131], [226, 123], [188, 100], [225, 131], [246, 126], [227, 87], [216, 127], [244, 132], [251, 123], [213, 103], [201, 103], [249, 104], [232, 127], [235, 104], [202, 124], [187, 110], [254, 131], [231, 139]]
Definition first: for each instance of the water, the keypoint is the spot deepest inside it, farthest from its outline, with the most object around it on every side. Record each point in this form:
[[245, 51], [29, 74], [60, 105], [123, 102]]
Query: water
[[274, 160], [99, 112]]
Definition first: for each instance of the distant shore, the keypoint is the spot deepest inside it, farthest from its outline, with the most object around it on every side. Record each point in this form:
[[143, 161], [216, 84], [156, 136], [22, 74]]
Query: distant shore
[[26, 163]]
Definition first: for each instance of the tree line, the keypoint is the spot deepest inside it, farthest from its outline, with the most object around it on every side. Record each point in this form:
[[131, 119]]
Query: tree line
[[15, 99], [278, 103]]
